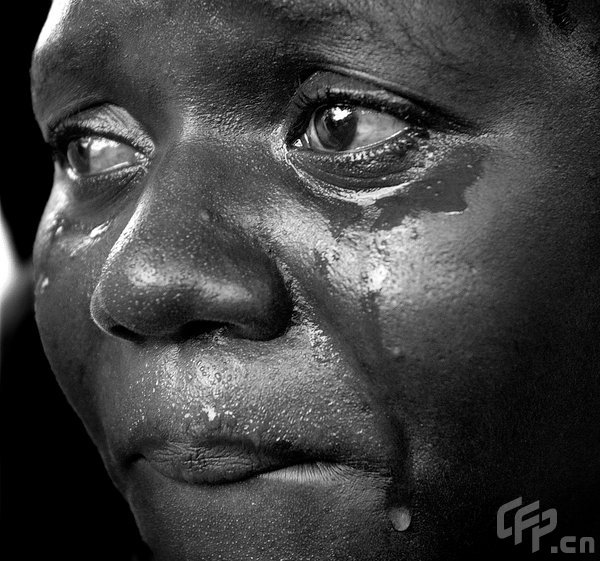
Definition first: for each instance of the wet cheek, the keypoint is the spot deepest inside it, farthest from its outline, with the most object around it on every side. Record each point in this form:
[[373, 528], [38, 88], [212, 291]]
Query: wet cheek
[[68, 257], [397, 259], [412, 295]]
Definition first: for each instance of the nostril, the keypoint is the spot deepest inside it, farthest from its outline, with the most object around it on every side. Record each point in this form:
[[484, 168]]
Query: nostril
[[123, 333]]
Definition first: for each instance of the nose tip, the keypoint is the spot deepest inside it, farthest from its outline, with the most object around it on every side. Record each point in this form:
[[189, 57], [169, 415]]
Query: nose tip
[[148, 291]]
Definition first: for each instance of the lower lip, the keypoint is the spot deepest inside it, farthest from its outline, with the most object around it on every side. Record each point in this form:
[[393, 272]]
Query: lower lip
[[309, 507], [318, 472], [301, 473]]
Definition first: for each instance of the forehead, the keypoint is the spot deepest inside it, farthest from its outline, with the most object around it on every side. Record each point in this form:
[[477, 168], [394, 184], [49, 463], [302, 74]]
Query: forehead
[[217, 17], [88, 44]]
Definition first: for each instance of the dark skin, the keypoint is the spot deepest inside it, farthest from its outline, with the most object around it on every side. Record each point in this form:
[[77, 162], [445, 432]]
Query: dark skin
[[311, 269]]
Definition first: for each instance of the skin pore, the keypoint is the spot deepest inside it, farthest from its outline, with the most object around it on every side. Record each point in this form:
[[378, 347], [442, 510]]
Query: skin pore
[[321, 278]]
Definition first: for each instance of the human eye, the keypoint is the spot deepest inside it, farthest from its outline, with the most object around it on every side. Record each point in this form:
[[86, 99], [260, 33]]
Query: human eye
[[98, 151], [343, 127], [348, 135], [87, 156]]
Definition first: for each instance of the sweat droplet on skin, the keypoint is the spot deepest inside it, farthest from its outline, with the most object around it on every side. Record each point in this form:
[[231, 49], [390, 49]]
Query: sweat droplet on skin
[[57, 228], [99, 230], [211, 413], [42, 284], [91, 238], [377, 278], [400, 518]]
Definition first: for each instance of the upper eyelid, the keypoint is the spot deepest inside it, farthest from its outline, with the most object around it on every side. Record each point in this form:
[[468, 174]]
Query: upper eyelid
[[102, 120], [304, 104], [360, 90], [453, 116], [59, 143], [402, 109], [73, 112], [67, 132]]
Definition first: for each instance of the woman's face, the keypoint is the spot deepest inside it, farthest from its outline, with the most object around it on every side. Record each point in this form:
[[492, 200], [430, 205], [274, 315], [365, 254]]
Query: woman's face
[[322, 278]]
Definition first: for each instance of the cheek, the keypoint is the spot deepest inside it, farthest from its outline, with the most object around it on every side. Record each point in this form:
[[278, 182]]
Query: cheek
[[469, 285], [408, 291], [461, 301], [68, 257]]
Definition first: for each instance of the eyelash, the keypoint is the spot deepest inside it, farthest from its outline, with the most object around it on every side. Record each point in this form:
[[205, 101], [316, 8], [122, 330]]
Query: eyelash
[[63, 134]]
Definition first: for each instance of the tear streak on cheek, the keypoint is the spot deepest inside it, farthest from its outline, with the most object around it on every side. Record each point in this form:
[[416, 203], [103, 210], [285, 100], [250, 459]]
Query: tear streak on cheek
[[62, 239], [442, 190], [94, 235]]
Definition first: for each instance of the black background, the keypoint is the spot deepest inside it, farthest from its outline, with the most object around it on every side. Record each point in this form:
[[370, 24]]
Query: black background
[[56, 500]]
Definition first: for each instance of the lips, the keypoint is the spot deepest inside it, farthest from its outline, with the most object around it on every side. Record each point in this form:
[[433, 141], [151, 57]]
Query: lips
[[226, 461], [219, 451]]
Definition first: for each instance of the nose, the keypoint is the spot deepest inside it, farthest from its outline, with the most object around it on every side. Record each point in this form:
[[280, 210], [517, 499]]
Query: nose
[[179, 269]]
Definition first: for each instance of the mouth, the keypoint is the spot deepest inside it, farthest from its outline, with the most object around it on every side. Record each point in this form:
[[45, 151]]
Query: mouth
[[226, 461]]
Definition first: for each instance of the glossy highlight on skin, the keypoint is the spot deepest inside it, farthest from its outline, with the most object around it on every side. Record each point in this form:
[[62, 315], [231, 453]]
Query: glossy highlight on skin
[[288, 353]]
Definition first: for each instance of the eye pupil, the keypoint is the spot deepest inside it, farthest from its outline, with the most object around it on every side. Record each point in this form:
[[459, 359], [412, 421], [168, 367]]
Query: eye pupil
[[336, 126]]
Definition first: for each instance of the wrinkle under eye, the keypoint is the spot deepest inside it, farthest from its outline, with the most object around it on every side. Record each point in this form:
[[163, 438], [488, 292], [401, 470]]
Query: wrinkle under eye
[[93, 155]]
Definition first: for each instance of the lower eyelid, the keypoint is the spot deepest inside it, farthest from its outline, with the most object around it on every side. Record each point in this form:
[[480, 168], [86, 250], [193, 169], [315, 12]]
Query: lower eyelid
[[374, 162], [103, 190], [398, 143], [78, 176]]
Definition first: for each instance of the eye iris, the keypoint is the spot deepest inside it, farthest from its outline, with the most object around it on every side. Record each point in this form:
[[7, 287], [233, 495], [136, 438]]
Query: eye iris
[[336, 126], [78, 154]]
